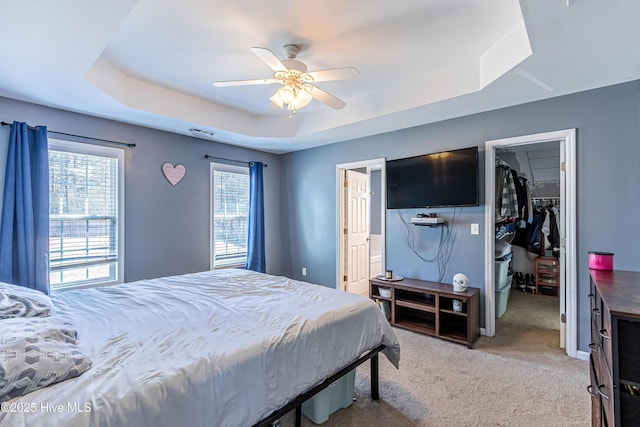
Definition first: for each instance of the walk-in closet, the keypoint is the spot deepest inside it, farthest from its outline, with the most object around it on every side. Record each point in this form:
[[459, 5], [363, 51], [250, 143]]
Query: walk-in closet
[[527, 233]]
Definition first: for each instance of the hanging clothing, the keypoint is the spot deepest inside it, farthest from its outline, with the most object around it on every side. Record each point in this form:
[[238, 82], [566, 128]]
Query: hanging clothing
[[500, 174], [509, 207], [529, 203], [535, 237], [520, 238], [545, 231], [551, 230], [520, 193]]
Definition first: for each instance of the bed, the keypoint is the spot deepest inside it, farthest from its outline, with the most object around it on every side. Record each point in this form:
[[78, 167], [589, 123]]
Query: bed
[[219, 348]]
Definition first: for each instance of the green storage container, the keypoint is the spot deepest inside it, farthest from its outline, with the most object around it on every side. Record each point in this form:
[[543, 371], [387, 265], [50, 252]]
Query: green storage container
[[337, 395], [502, 286], [502, 297], [500, 273]]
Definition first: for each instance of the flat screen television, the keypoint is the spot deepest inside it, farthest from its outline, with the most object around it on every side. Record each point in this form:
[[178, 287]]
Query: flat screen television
[[448, 178]]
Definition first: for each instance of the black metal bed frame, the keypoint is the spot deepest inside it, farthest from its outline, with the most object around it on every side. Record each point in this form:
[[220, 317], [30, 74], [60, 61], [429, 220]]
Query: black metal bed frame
[[296, 403]]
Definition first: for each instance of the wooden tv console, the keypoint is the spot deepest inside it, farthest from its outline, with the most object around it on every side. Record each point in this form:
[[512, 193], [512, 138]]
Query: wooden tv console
[[427, 307]]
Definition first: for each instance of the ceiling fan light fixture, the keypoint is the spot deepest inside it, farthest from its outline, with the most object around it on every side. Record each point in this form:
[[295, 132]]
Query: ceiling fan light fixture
[[294, 94], [275, 99], [302, 99], [297, 88], [287, 94]]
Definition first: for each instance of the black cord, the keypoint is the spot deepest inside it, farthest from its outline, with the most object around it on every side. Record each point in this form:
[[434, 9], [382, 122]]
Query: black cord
[[445, 245], [411, 242]]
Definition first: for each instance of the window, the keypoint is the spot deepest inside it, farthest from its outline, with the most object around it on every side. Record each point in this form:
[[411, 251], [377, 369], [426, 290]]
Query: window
[[85, 214], [230, 219]]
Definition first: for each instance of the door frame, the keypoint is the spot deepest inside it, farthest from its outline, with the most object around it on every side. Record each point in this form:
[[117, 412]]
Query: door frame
[[372, 164], [568, 294]]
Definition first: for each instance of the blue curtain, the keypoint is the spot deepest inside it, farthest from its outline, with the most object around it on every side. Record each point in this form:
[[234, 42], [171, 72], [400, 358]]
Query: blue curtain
[[24, 230], [255, 248]]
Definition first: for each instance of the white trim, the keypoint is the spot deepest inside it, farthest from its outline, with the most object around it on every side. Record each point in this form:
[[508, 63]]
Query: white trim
[[371, 164], [582, 355], [213, 166], [570, 208], [489, 243], [55, 144], [229, 168], [568, 136]]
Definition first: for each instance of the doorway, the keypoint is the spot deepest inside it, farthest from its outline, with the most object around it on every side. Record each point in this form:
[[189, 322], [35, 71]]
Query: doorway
[[361, 211], [567, 292]]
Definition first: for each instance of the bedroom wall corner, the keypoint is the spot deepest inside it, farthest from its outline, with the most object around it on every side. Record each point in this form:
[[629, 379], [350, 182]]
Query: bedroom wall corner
[[608, 124], [286, 229], [166, 227]]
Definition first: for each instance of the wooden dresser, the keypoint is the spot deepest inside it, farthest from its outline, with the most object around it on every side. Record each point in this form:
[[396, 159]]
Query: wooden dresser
[[615, 348]]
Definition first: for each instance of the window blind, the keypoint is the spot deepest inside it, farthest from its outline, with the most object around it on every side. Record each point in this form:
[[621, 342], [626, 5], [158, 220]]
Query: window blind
[[83, 218], [230, 216]]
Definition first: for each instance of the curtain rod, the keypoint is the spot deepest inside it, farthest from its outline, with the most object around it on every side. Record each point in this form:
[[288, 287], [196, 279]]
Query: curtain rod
[[128, 144], [206, 156]]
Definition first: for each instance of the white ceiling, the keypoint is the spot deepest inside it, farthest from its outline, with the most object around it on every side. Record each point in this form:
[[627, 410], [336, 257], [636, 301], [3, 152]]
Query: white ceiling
[[538, 162], [152, 62]]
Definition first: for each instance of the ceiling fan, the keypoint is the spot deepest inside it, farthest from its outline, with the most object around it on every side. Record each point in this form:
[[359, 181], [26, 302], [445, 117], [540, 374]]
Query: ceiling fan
[[297, 88]]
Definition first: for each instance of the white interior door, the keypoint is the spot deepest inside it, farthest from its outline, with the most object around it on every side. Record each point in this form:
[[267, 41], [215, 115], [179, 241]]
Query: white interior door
[[357, 231], [563, 247]]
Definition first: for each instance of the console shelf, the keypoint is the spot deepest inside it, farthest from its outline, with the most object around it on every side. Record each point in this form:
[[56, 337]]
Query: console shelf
[[428, 308], [415, 305]]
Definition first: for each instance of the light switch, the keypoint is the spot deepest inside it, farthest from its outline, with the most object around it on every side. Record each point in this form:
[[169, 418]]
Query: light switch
[[475, 228]]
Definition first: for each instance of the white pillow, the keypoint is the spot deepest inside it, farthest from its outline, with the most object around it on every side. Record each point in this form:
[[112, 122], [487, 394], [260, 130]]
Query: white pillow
[[18, 301], [38, 352]]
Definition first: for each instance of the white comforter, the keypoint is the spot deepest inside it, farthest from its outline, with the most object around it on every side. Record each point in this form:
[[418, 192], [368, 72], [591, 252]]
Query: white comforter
[[217, 349]]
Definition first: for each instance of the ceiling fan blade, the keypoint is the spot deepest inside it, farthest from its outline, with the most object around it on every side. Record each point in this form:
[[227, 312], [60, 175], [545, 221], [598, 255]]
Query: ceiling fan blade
[[327, 98], [347, 73], [245, 82], [269, 58]]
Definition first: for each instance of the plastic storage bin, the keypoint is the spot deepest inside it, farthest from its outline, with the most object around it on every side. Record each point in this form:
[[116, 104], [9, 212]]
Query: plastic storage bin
[[336, 396], [501, 271], [502, 296]]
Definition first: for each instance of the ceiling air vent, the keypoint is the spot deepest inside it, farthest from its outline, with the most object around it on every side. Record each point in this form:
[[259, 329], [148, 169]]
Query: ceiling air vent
[[201, 133]]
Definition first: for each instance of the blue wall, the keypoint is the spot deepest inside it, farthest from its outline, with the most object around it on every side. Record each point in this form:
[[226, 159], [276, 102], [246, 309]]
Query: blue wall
[[608, 153], [166, 228]]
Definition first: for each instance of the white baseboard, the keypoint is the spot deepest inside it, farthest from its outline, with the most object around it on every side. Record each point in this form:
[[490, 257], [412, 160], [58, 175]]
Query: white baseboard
[[582, 355]]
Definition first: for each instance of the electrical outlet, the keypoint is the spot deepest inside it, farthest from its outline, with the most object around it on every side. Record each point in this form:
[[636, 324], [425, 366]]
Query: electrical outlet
[[304, 271], [475, 228]]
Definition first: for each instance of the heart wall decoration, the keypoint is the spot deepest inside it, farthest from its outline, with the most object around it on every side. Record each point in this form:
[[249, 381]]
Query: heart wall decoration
[[173, 173]]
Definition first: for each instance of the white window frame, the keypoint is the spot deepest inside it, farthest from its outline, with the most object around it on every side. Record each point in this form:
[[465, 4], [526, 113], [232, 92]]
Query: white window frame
[[222, 168], [103, 151]]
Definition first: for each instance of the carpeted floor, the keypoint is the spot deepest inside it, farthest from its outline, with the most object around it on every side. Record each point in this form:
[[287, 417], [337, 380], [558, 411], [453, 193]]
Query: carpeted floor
[[519, 378]]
